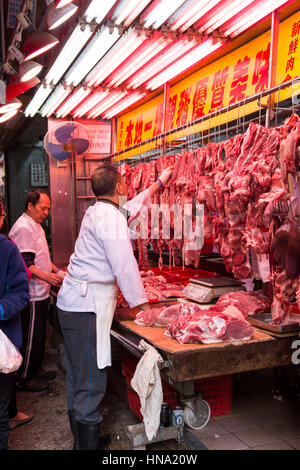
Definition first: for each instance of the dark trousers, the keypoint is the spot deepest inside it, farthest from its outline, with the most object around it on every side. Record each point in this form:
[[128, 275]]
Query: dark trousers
[[7, 383], [85, 383], [34, 324]]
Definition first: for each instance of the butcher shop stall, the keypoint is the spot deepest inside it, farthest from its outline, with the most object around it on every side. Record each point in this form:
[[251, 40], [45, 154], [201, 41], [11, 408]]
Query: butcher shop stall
[[215, 93]]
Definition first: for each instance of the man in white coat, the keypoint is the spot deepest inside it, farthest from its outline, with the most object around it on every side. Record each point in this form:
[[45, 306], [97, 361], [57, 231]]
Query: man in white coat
[[103, 260], [30, 238]]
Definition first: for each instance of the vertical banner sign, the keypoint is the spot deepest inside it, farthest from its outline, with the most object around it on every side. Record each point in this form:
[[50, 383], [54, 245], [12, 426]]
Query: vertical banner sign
[[228, 80]]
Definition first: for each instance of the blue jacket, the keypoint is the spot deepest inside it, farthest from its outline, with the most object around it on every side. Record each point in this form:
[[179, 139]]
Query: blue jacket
[[14, 290]]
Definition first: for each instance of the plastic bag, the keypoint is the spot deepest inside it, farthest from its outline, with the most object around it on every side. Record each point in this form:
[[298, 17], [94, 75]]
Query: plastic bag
[[10, 357]]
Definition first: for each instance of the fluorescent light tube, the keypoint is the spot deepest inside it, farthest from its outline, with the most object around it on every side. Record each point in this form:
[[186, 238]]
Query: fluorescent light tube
[[162, 11], [251, 16], [54, 101], [90, 102], [183, 63], [128, 10], [174, 51], [71, 49], [77, 97], [152, 48], [37, 101], [125, 103], [217, 18], [111, 99], [97, 48], [97, 10], [124, 47], [191, 13]]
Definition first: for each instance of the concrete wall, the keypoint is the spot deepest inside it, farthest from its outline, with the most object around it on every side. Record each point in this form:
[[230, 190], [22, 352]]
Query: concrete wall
[[18, 173]]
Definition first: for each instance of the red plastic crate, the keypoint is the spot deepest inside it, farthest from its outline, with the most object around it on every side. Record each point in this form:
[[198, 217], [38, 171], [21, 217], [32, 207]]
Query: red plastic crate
[[217, 391]]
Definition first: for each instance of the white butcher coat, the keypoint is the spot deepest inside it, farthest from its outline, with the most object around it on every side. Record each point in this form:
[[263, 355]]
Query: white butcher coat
[[30, 237], [103, 260]]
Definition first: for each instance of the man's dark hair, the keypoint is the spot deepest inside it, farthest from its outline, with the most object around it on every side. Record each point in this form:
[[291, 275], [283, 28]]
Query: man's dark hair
[[104, 180], [34, 197]]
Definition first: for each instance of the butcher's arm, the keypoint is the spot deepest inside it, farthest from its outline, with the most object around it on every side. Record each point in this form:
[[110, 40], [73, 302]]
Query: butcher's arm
[[154, 188], [144, 199], [163, 179]]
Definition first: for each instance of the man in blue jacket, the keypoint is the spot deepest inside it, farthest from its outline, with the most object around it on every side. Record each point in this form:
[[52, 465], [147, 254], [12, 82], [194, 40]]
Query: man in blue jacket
[[14, 296]]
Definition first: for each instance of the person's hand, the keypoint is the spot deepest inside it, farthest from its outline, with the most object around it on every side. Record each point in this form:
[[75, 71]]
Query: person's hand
[[166, 175], [54, 279]]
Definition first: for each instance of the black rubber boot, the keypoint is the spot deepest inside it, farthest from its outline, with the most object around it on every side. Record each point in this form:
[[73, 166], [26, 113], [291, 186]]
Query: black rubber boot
[[89, 438], [73, 426]]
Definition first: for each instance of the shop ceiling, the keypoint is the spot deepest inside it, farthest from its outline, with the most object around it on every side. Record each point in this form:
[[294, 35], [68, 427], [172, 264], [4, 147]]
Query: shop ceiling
[[112, 55]]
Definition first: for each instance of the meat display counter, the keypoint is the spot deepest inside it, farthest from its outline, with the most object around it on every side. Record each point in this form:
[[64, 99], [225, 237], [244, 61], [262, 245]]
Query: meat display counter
[[184, 364], [187, 362]]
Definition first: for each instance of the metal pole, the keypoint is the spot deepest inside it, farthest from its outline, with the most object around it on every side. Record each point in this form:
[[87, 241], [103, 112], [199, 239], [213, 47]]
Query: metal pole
[[272, 65], [165, 114], [113, 136]]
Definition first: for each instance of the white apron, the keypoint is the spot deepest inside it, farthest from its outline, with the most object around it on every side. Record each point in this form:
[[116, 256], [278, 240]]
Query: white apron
[[105, 297]]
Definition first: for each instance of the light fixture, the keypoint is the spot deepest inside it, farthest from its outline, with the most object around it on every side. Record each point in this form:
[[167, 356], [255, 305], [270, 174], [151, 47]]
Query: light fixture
[[250, 16], [150, 49], [106, 103], [168, 56], [55, 99], [74, 100], [128, 10], [97, 11], [57, 16], [161, 11], [28, 70], [11, 106], [128, 43], [5, 117], [39, 98], [96, 97], [190, 13], [185, 62], [37, 43], [62, 3], [94, 51], [16, 87], [123, 104], [70, 50], [221, 14]]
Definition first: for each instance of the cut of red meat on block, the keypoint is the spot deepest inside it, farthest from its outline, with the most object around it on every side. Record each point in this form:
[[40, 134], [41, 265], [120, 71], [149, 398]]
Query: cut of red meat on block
[[163, 316], [209, 326], [247, 303]]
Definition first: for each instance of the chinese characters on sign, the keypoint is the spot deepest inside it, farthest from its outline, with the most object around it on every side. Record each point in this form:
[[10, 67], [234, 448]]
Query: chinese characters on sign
[[227, 85], [228, 80], [292, 49]]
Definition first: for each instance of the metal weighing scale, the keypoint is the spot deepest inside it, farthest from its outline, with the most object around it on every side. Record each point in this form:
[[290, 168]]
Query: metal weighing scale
[[207, 289]]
